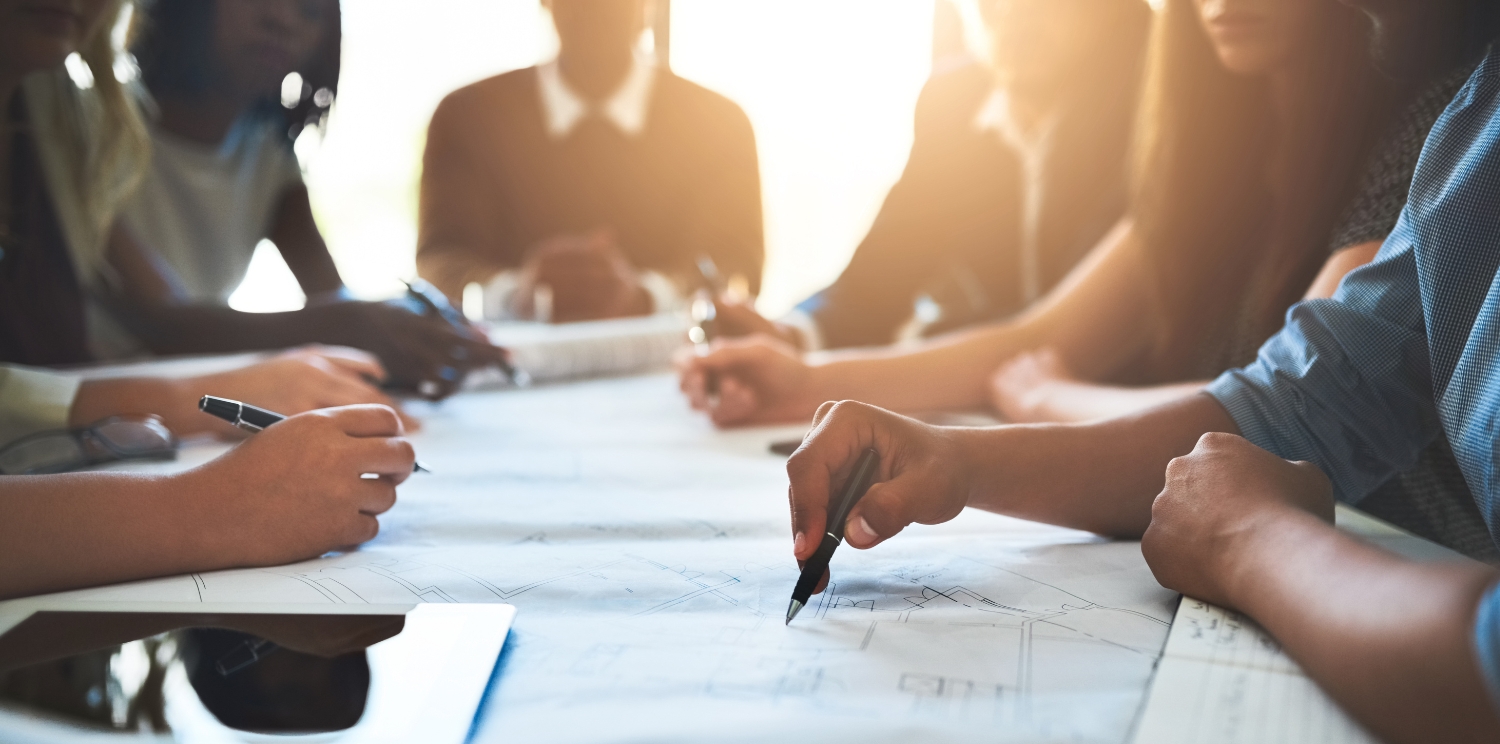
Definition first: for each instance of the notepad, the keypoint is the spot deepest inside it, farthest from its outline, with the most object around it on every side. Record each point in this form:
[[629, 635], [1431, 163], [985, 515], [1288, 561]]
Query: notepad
[[551, 352]]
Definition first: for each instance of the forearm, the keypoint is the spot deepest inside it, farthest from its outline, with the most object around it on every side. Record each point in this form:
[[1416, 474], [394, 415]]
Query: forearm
[[1389, 639], [1068, 401], [942, 374], [66, 531], [1101, 477]]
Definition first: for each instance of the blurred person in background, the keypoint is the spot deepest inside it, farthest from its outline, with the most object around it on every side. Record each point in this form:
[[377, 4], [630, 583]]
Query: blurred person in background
[[222, 176], [1017, 169], [591, 184], [68, 154], [1258, 117]]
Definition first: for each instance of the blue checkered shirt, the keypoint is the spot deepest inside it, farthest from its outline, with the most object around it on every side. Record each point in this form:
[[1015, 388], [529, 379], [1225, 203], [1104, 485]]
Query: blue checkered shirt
[[1408, 347]]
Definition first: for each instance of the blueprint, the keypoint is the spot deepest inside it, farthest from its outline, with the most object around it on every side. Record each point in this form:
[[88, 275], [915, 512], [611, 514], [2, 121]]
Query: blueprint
[[650, 559]]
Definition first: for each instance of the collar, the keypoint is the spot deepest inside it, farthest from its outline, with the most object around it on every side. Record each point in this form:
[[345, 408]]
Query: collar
[[562, 108]]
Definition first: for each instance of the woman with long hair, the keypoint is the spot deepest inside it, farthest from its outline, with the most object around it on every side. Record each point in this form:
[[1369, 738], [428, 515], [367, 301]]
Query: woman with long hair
[[1258, 117]]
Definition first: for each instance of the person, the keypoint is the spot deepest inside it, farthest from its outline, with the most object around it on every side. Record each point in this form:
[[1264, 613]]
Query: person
[[1257, 119], [1016, 170], [588, 187], [220, 178], [1232, 490], [297, 491], [222, 175]]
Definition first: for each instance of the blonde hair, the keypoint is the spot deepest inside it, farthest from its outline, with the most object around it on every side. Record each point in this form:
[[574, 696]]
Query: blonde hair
[[91, 139]]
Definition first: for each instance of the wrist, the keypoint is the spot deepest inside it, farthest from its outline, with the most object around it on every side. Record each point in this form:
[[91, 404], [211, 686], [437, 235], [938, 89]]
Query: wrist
[[1265, 536]]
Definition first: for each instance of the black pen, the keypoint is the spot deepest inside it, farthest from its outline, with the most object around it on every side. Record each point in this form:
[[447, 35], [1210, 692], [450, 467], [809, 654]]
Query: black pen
[[252, 419], [421, 292], [854, 489]]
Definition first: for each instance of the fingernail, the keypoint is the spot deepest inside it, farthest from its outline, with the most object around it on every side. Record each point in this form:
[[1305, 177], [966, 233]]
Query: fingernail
[[859, 531], [798, 543]]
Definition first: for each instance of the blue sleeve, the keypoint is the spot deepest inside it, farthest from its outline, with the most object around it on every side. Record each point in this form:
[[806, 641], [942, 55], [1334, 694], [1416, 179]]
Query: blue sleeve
[[1345, 385], [1487, 642], [1352, 383]]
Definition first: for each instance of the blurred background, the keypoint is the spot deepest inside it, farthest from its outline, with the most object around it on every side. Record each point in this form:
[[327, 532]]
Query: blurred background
[[829, 87]]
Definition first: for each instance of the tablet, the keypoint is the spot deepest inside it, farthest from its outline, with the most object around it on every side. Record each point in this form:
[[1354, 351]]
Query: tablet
[[248, 673]]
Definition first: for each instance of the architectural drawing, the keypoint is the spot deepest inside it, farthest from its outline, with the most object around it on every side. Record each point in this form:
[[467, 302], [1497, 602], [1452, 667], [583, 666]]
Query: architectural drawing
[[650, 560]]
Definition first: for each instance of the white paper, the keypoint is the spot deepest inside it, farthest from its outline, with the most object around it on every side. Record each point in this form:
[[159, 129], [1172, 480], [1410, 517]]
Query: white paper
[[650, 559], [564, 351], [1224, 679]]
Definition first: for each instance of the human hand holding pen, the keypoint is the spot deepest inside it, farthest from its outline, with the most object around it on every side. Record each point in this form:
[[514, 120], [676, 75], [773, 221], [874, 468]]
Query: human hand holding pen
[[922, 476], [298, 489]]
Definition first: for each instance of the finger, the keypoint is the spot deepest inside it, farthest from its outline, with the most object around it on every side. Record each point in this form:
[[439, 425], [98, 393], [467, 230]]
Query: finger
[[822, 413], [886, 509], [361, 528], [367, 420], [737, 403], [353, 362], [375, 496], [388, 457]]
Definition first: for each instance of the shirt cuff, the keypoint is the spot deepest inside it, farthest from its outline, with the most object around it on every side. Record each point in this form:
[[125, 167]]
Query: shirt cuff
[[1237, 394], [33, 400], [812, 336], [1487, 642]]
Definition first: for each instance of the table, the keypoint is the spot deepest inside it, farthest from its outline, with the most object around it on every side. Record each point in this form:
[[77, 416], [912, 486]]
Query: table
[[650, 558]]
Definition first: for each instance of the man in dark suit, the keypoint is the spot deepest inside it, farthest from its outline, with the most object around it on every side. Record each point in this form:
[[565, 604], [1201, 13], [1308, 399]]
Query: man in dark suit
[[1017, 169], [594, 181]]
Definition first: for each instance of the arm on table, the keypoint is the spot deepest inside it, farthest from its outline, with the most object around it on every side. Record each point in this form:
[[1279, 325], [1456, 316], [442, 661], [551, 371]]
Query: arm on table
[[293, 492], [1039, 387], [1099, 477], [1102, 306], [1391, 640]]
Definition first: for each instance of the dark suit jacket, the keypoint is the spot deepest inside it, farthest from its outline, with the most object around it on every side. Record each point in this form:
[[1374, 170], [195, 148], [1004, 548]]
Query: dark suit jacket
[[494, 183], [951, 227]]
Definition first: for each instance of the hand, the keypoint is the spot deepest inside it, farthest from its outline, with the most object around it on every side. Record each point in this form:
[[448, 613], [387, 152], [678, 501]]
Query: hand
[[760, 380], [922, 479], [295, 490], [736, 319], [422, 353], [1022, 389], [1218, 498], [588, 275], [290, 383]]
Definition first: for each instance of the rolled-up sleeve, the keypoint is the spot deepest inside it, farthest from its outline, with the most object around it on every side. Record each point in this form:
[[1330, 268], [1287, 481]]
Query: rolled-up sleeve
[[1356, 383], [1346, 384], [33, 400]]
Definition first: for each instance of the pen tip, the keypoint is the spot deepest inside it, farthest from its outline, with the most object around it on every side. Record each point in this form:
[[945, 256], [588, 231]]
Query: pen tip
[[792, 610]]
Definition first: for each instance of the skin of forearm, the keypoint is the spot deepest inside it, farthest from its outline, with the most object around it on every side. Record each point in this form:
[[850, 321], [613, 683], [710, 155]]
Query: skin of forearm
[[1073, 402], [67, 531], [1096, 318], [1389, 639], [167, 398], [1101, 477]]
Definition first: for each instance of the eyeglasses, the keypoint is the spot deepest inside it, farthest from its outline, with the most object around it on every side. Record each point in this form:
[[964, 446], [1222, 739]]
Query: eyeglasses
[[111, 440]]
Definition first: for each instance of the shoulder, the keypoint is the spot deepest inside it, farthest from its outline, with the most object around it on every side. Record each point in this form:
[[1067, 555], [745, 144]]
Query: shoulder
[[964, 85], [683, 94], [495, 93]]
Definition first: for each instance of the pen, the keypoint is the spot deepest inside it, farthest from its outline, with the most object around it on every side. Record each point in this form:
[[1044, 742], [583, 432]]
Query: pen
[[422, 293], [252, 419], [854, 489], [702, 334]]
